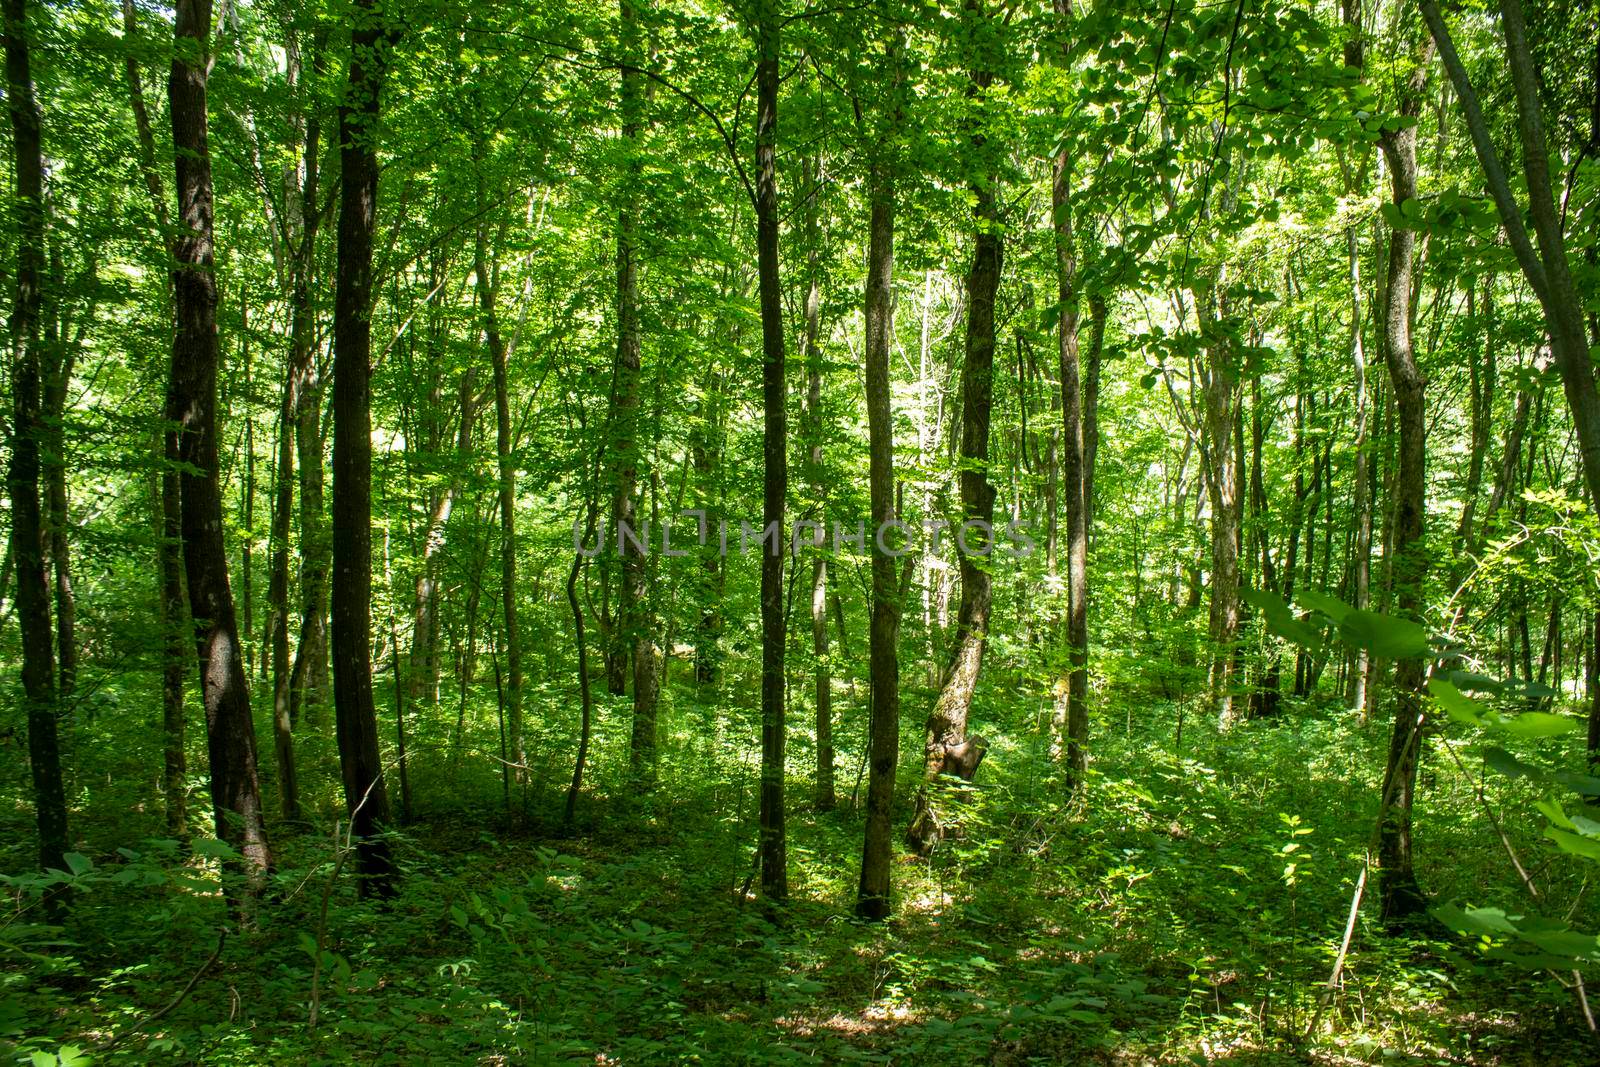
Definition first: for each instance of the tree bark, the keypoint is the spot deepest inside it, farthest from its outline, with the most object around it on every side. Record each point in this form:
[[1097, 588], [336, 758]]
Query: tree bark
[[1072, 729], [191, 404], [1221, 402], [883, 732], [815, 429], [1399, 894], [633, 634], [355, 717], [947, 721], [507, 498], [775, 481], [28, 431]]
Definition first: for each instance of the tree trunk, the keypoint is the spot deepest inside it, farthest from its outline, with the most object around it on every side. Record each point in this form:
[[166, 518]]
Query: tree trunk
[[507, 497], [883, 732], [191, 404], [633, 636], [28, 432], [355, 718], [815, 430], [775, 481], [1221, 401], [57, 376], [1398, 890], [278, 601], [174, 656], [947, 721], [424, 660], [1072, 730]]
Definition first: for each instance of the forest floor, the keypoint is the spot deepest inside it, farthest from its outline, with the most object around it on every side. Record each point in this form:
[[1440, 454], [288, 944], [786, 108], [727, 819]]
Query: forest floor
[[1157, 918]]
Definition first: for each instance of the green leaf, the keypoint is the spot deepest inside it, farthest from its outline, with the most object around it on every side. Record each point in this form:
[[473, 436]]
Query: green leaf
[[1460, 708], [1384, 635], [78, 863], [1570, 842], [1540, 724], [1332, 607]]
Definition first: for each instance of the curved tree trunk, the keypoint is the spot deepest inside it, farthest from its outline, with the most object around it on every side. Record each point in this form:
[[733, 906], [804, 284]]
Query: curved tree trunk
[[355, 717], [1399, 893], [947, 721], [191, 404]]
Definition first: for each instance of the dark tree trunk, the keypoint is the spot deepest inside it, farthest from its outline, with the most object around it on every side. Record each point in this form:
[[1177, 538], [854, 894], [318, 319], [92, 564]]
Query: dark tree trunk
[[1398, 890], [633, 632], [775, 482], [191, 404], [28, 432], [175, 655], [947, 721], [883, 732], [355, 718]]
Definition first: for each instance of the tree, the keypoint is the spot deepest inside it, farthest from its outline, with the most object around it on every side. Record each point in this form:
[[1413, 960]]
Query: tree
[[192, 405], [1400, 895], [355, 718], [27, 523], [883, 731], [775, 457], [947, 721]]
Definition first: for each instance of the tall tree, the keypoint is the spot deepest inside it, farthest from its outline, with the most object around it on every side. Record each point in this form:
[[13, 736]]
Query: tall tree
[[947, 721], [633, 616], [883, 731], [775, 458], [28, 431], [815, 430], [1074, 730], [192, 406], [1399, 893], [355, 718]]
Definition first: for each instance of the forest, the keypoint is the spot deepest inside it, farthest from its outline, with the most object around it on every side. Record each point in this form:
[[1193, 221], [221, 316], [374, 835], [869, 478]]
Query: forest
[[774, 531]]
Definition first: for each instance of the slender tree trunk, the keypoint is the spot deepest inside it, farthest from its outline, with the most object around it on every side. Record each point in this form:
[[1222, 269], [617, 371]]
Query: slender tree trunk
[[278, 603], [1398, 890], [815, 430], [883, 732], [633, 636], [947, 721], [28, 432], [175, 656], [58, 362], [1221, 402], [191, 404], [1072, 730], [774, 858], [424, 661], [355, 717], [507, 495]]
